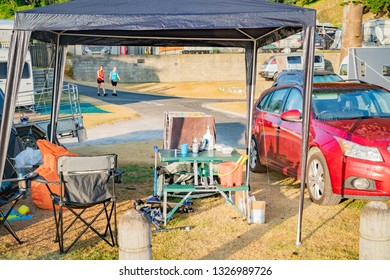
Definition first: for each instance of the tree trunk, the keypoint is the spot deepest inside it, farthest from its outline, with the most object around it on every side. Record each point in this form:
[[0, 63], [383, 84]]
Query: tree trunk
[[352, 27]]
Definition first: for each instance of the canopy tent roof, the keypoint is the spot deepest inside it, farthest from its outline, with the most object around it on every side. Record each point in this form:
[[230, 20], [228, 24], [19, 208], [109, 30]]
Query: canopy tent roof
[[173, 22], [221, 23]]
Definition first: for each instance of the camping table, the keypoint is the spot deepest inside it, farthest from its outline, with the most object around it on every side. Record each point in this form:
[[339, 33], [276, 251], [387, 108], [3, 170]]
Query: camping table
[[209, 157]]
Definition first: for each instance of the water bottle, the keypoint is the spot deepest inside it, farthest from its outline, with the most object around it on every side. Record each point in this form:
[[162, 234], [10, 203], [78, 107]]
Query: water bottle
[[195, 146]]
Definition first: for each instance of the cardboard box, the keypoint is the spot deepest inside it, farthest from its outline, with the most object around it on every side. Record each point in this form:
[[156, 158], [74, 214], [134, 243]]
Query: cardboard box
[[257, 212]]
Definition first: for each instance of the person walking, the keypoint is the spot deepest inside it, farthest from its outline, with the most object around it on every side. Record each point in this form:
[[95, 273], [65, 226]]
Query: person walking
[[114, 77], [100, 81]]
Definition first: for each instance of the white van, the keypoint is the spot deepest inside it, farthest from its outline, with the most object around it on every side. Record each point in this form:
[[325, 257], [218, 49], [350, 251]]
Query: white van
[[276, 63], [25, 97]]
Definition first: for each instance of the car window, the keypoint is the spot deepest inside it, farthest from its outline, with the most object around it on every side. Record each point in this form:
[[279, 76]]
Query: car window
[[343, 69], [294, 100], [3, 71], [294, 60], [326, 78], [317, 59], [276, 101], [289, 79], [263, 103], [351, 103]]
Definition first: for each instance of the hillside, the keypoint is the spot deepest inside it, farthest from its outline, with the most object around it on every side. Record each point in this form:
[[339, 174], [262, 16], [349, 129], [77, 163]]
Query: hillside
[[331, 11]]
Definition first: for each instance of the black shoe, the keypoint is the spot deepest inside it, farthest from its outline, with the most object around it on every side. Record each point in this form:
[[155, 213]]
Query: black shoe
[[114, 94], [105, 94], [98, 94]]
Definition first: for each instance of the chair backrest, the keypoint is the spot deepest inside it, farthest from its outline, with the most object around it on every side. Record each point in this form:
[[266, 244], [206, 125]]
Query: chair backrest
[[85, 178]]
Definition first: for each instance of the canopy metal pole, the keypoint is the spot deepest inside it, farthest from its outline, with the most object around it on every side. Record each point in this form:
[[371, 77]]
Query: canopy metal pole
[[251, 66], [16, 56], [308, 62]]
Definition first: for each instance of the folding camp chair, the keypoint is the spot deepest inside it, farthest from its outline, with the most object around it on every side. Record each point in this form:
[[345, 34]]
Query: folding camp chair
[[11, 191], [86, 182]]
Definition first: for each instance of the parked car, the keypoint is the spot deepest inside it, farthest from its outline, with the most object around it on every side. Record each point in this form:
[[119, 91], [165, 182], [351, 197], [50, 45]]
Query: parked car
[[292, 61], [349, 141], [296, 77], [97, 50]]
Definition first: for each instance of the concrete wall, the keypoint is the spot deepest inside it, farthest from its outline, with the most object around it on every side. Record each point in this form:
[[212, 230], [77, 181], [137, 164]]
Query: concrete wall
[[173, 68]]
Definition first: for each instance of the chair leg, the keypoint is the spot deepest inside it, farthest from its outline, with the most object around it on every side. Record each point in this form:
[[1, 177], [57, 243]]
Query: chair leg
[[88, 225], [57, 239], [61, 229], [7, 226], [4, 222]]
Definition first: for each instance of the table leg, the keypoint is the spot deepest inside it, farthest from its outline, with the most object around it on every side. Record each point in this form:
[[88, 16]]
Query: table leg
[[211, 174], [196, 183], [165, 207]]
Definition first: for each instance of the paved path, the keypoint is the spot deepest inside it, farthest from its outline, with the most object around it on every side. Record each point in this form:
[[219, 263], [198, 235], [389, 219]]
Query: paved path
[[230, 126]]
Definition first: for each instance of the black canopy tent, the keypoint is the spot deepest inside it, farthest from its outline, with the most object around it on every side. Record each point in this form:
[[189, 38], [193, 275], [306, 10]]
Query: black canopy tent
[[249, 24]]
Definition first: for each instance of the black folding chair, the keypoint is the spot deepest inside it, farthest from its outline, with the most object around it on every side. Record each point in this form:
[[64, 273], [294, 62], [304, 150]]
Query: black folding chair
[[85, 182], [11, 191]]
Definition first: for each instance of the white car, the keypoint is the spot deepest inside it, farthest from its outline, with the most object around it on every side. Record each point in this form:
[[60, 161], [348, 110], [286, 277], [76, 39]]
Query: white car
[[96, 50]]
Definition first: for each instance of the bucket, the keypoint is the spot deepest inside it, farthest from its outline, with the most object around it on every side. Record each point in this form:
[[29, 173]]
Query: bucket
[[257, 212], [230, 173]]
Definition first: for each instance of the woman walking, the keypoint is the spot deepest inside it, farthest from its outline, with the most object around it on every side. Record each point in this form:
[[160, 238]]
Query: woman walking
[[114, 77], [100, 81]]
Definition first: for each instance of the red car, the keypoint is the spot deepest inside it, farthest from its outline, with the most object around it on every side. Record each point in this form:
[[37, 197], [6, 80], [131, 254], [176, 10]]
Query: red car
[[349, 140]]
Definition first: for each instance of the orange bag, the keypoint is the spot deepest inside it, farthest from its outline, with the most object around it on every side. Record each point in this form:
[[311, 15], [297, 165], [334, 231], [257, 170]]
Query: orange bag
[[48, 170]]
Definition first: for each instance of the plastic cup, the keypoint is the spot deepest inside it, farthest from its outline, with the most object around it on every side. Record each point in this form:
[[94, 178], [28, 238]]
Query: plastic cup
[[184, 149]]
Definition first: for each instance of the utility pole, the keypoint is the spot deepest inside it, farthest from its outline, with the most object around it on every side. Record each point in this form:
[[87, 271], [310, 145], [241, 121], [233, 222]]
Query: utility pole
[[352, 26]]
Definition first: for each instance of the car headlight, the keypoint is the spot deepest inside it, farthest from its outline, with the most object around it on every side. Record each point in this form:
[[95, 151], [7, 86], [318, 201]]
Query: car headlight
[[354, 150]]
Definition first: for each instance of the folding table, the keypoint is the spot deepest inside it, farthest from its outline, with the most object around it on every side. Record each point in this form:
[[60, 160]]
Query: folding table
[[201, 184]]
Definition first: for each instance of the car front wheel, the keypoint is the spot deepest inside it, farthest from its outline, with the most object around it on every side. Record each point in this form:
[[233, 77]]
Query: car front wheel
[[318, 180], [254, 164]]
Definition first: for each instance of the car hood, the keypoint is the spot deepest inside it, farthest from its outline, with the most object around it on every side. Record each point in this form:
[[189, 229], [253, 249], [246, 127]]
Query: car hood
[[363, 131]]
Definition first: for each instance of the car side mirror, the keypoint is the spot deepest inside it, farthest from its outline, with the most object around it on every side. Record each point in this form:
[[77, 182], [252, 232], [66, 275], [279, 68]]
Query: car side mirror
[[291, 116]]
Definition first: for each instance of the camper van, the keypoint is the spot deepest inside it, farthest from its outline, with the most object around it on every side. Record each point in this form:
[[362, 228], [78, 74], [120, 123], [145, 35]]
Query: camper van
[[25, 96], [367, 64], [376, 33], [276, 63]]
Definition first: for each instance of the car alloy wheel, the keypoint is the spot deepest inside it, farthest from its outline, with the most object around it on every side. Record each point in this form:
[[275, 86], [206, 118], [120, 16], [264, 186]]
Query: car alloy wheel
[[318, 179], [254, 161]]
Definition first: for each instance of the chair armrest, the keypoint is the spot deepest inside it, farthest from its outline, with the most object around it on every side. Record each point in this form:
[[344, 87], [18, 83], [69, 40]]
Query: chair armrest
[[118, 175], [33, 176]]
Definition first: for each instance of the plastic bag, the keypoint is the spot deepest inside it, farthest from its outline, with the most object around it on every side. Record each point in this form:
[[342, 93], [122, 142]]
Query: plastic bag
[[28, 158]]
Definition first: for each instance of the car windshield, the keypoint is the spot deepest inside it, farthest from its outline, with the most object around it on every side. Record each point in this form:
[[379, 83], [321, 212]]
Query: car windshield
[[338, 104], [326, 78], [297, 78]]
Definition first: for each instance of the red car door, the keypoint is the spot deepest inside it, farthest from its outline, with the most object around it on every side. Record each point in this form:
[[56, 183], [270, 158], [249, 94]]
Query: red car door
[[288, 140], [267, 123]]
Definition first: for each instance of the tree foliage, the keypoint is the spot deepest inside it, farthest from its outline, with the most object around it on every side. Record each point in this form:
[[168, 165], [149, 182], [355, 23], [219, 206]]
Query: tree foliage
[[9, 7], [378, 7]]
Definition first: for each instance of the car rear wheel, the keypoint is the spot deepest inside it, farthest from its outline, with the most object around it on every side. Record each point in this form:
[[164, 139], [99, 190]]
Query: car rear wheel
[[318, 180], [275, 76], [254, 161]]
